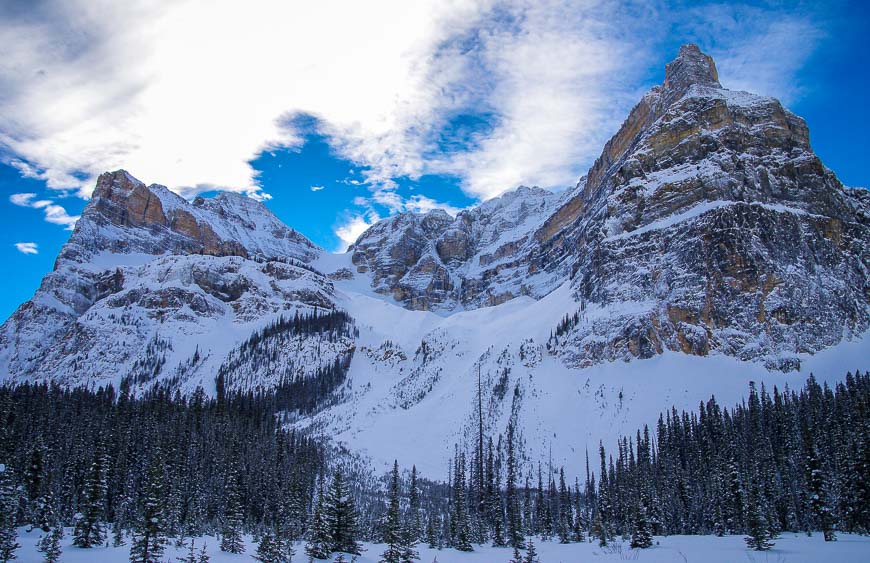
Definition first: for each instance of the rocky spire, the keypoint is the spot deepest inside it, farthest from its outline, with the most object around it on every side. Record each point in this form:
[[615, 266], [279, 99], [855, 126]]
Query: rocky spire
[[690, 67]]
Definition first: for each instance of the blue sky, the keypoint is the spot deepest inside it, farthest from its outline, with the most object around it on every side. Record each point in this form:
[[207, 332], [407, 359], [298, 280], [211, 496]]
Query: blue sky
[[337, 115]]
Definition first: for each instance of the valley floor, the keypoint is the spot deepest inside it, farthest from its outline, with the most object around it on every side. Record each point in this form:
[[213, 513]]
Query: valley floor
[[789, 548]]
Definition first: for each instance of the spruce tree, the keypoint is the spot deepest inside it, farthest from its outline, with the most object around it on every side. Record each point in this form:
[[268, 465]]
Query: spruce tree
[[274, 548], [531, 553], [414, 526], [149, 540], [392, 533], [203, 556], [433, 536], [49, 545], [191, 556], [233, 518], [514, 526], [757, 528], [641, 536], [341, 516], [459, 514], [565, 521], [320, 542], [817, 493], [89, 530], [8, 510], [40, 506]]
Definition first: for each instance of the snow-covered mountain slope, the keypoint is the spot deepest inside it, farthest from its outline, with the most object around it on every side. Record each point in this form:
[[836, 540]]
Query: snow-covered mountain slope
[[709, 224], [150, 286], [707, 247], [411, 391], [434, 262]]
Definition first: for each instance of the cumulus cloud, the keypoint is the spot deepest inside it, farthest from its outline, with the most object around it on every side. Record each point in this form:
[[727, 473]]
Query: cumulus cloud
[[353, 227], [93, 85], [27, 247], [316, 188], [53, 212]]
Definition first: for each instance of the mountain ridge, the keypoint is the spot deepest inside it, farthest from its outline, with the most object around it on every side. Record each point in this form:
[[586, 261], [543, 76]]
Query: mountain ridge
[[706, 234]]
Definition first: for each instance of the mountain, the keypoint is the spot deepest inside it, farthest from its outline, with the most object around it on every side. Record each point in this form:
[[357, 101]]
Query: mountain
[[151, 286], [706, 247]]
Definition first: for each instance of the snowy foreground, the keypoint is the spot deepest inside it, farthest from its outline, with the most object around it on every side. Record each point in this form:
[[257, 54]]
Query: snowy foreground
[[789, 548]]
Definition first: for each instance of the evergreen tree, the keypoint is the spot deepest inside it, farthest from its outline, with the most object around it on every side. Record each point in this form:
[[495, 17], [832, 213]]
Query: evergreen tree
[[320, 542], [392, 534], [564, 509], [531, 553], [8, 510], [459, 514], [267, 549], [757, 528], [514, 525], [89, 531], [149, 540], [817, 493], [49, 545], [341, 516], [641, 537], [233, 520], [40, 505], [432, 532], [273, 548], [203, 556], [192, 556], [414, 526]]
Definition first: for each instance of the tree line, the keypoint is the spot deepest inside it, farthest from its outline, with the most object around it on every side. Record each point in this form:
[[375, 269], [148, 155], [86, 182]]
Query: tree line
[[161, 467]]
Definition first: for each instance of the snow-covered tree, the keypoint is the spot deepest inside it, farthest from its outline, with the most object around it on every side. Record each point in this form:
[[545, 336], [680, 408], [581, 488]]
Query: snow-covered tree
[[392, 532], [149, 540], [233, 518], [49, 545], [641, 536], [320, 542], [341, 516], [89, 530], [8, 510]]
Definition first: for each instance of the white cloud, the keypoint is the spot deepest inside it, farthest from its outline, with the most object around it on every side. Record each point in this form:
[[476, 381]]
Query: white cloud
[[422, 204], [54, 213], [757, 50], [316, 188], [351, 229], [95, 85], [27, 247], [22, 200]]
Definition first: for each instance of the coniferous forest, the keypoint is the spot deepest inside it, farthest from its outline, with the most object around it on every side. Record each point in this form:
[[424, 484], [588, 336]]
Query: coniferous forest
[[161, 467]]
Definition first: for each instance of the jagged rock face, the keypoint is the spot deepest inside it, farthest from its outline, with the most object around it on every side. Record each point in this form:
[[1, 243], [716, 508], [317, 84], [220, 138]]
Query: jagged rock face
[[125, 216], [710, 220], [433, 261], [145, 269], [707, 224]]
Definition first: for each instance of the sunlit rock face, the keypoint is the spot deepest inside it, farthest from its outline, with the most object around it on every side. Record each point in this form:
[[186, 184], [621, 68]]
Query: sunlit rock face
[[707, 224]]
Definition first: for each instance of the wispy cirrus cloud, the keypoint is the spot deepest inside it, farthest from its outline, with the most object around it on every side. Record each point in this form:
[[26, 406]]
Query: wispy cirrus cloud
[[53, 212], [27, 247]]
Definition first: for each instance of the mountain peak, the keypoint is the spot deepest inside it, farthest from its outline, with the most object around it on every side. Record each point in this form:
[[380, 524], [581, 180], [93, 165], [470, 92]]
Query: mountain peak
[[691, 67]]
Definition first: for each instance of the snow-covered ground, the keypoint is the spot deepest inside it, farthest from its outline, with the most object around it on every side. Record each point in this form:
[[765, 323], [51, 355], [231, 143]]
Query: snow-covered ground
[[789, 548], [402, 404]]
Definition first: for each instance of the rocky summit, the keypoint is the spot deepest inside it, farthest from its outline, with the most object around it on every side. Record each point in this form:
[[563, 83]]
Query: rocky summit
[[707, 232]]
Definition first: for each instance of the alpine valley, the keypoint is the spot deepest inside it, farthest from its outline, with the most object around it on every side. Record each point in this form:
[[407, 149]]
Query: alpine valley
[[706, 241], [707, 247]]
